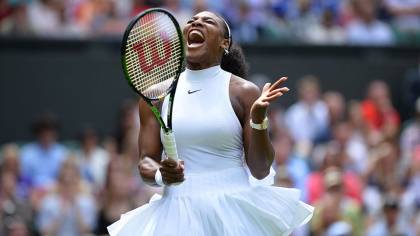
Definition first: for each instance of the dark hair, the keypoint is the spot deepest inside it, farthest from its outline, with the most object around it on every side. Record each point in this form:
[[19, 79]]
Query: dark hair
[[45, 121], [235, 62]]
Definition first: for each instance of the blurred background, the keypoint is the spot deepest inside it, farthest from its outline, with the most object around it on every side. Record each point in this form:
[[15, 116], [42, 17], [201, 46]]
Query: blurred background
[[347, 135]]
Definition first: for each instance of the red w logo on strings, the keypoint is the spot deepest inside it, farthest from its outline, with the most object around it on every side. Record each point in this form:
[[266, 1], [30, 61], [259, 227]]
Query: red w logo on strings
[[150, 48]]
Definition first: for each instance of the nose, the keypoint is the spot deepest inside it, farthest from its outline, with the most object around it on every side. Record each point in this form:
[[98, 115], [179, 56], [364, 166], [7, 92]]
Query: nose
[[197, 22]]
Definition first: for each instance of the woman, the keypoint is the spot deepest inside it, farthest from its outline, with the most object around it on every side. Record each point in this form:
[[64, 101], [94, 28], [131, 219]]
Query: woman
[[117, 196], [69, 209], [209, 193]]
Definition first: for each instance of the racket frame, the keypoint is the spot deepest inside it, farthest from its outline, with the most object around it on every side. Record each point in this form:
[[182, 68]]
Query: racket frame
[[172, 88]]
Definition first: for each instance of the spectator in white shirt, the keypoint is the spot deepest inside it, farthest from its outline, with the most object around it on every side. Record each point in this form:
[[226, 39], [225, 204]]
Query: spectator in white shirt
[[93, 158], [308, 118], [366, 29], [406, 14], [326, 31]]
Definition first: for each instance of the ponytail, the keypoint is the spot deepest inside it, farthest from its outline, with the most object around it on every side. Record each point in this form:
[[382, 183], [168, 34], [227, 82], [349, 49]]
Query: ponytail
[[234, 62]]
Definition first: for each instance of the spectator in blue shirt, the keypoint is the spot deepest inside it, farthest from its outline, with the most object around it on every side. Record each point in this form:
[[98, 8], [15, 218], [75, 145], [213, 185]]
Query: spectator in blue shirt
[[287, 162], [41, 159]]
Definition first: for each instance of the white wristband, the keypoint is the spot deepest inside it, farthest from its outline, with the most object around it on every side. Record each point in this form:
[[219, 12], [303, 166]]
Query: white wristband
[[158, 178], [262, 126]]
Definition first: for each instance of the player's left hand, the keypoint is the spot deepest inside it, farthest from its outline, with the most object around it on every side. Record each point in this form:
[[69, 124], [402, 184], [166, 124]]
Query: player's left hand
[[269, 93]]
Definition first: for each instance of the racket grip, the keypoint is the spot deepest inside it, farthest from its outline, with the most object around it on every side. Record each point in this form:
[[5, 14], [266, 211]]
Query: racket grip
[[169, 145]]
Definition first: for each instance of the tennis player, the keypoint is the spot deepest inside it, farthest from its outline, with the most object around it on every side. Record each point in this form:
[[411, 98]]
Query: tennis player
[[220, 126]]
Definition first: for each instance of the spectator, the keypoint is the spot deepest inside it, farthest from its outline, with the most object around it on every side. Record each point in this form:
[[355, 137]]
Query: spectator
[[94, 159], [410, 90], [390, 223], [406, 14], [383, 175], [201, 5], [6, 17], [181, 14], [47, 19], [410, 136], [410, 199], [308, 118], [117, 197], [326, 32], [14, 19], [354, 149], [356, 118], [336, 106], [334, 207], [379, 114], [334, 102], [10, 161], [13, 209], [366, 29], [17, 227], [139, 6], [358, 147], [6, 10], [245, 27], [334, 157], [289, 164], [305, 19], [41, 159], [69, 208], [128, 130]]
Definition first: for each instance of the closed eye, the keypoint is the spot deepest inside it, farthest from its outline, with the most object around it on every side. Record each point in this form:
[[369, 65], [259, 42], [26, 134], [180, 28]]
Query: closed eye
[[210, 21]]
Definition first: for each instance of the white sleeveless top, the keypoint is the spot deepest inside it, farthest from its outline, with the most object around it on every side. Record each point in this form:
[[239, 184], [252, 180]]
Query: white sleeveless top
[[207, 131]]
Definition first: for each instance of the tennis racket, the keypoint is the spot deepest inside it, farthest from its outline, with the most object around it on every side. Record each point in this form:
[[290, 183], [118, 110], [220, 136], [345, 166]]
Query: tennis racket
[[152, 56]]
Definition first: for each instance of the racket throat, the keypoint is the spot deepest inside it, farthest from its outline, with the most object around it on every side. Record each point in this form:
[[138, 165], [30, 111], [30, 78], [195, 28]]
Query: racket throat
[[159, 118]]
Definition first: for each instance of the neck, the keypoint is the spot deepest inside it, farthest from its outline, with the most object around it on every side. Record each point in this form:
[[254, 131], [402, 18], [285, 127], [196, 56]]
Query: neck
[[202, 74], [201, 66], [88, 150]]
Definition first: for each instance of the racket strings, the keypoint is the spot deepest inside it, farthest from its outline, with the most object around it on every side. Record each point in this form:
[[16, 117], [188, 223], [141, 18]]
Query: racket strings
[[158, 37]]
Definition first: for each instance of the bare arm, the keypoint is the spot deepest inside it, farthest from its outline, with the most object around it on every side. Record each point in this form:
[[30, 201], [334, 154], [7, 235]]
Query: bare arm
[[259, 152], [151, 149], [149, 144]]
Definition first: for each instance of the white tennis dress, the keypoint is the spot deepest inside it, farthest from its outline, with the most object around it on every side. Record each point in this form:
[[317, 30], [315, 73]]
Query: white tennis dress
[[217, 197]]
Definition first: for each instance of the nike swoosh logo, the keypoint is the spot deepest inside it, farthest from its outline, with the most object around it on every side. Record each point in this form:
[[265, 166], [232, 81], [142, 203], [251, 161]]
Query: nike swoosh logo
[[190, 92]]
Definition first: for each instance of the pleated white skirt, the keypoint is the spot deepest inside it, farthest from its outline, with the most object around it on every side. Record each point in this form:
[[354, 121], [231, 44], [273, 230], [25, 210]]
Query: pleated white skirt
[[217, 203]]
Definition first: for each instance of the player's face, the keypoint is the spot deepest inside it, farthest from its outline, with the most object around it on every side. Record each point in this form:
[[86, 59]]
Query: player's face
[[204, 38]]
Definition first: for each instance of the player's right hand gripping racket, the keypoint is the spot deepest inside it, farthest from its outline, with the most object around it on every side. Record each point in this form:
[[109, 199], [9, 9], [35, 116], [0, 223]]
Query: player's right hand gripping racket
[[152, 55]]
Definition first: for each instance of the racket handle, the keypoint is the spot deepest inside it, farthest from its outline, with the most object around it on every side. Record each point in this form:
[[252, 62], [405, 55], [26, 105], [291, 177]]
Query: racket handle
[[169, 145]]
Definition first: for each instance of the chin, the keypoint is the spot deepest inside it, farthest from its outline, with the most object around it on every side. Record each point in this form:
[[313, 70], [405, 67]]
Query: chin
[[196, 56]]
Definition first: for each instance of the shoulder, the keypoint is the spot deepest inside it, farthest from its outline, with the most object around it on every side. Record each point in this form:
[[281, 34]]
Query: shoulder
[[85, 200], [243, 89], [321, 106], [58, 147], [354, 25], [60, 152], [28, 152], [29, 147], [50, 201], [294, 109]]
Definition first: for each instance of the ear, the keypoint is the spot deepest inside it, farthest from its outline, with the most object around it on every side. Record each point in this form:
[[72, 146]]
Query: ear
[[224, 44]]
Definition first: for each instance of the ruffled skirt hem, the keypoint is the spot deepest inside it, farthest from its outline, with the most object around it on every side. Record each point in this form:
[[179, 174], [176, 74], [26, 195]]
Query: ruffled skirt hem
[[219, 204]]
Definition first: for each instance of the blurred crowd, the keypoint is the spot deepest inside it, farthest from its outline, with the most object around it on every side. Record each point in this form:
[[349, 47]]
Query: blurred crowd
[[357, 162], [331, 22]]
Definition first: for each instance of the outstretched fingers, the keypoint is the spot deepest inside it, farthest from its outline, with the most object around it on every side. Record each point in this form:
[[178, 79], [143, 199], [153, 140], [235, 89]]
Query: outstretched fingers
[[282, 90], [277, 83], [272, 97], [266, 87]]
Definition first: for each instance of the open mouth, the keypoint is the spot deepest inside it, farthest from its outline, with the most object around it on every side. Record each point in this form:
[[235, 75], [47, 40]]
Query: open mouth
[[195, 39]]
